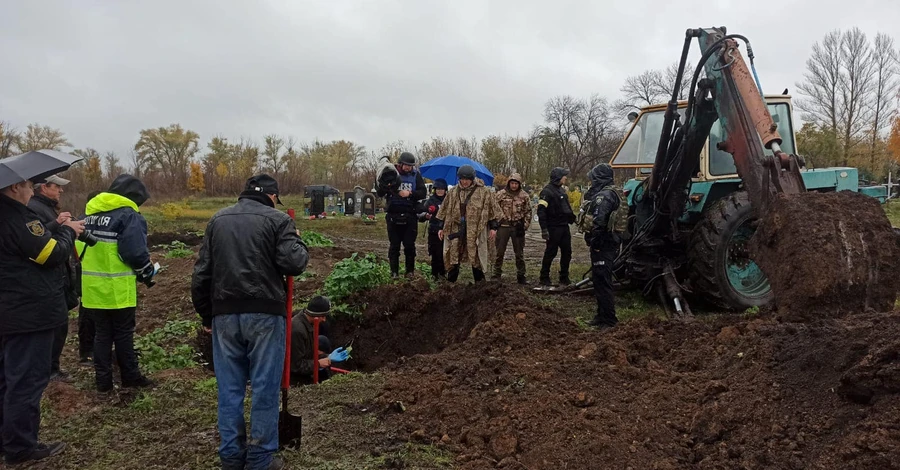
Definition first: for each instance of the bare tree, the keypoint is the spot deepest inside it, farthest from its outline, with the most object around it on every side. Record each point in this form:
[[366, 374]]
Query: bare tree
[[884, 105], [9, 138], [113, 168], [822, 82], [667, 78], [273, 157], [583, 132], [856, 87], [642, 90]]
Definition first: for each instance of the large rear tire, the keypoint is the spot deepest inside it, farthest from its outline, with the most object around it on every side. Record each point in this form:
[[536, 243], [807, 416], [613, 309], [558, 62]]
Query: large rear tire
[[720, 269]]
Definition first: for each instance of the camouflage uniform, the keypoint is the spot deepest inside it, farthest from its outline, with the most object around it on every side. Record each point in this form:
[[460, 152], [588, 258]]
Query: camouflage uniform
[[515, 218]]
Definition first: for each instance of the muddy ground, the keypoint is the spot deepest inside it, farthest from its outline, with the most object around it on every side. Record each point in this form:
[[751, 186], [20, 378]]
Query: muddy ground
[[494, 376]]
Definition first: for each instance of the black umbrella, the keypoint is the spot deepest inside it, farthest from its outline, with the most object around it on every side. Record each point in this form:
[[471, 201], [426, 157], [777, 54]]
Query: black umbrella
[[35, 166]]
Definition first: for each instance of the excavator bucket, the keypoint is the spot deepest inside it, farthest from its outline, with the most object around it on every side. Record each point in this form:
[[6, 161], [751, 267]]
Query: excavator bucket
[[828, 254]]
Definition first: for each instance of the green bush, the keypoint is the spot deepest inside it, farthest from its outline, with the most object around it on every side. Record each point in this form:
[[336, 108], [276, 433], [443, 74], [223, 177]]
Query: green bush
[[315, 239], [356, 274]]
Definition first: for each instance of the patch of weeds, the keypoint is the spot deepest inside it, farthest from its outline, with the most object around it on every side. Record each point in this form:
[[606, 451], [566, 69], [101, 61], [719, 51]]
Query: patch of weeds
[[355, 274], [754, 310], [315, 239], [207, 386], [178, 249], [153, 354], [143, 403]]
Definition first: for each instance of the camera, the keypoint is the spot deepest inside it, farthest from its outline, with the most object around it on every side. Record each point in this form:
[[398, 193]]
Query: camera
[[88, 238]]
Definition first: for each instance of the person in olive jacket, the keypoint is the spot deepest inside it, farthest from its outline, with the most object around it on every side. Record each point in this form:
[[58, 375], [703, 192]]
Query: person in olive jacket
[[32, 308], [238, 289]]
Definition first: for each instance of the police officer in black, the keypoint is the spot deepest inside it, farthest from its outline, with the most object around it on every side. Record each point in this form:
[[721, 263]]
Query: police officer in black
[[602, 201], [45, 204], [554, 215], [32, 308], [401, 202]]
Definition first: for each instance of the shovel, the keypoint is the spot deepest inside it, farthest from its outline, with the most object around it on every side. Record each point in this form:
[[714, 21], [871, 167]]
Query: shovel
[[289, 425]]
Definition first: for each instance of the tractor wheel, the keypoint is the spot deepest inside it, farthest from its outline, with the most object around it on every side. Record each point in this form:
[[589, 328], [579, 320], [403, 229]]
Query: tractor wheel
[[720, 268]]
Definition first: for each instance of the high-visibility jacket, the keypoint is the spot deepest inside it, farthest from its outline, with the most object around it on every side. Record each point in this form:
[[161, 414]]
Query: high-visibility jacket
[[108, 270]]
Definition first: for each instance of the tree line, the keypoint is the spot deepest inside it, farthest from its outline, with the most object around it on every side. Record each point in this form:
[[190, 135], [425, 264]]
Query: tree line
[[848, 100]]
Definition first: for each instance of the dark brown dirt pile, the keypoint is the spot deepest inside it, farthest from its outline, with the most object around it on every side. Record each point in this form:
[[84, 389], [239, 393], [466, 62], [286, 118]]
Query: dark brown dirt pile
[[828, 254], [506, 383]]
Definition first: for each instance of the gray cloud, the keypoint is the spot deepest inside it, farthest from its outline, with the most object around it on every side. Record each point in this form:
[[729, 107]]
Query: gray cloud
[[368, 71]]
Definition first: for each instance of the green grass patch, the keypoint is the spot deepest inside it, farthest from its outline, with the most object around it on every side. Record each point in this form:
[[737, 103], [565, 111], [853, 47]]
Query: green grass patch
[[165, 348], [178, 249]]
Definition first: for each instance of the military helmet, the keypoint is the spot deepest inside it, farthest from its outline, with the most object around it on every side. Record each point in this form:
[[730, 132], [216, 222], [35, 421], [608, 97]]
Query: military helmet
[[466, 172], [407, 158]]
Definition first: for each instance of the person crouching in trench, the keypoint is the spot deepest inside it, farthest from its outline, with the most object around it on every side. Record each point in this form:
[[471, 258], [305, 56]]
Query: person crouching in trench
[[470, 214], [302, 361]]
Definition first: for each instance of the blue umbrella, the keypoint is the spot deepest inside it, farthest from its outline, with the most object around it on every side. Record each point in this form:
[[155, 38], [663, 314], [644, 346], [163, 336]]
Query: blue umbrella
[[445, 167]]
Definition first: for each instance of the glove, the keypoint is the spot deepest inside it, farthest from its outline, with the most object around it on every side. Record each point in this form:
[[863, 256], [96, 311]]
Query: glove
[[545, 234], [339, 355]]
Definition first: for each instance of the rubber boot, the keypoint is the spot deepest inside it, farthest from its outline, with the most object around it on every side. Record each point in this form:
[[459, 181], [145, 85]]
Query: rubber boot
[[521, 280]]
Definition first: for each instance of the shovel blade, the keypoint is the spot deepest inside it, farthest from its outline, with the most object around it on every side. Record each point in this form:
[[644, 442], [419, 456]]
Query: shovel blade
[[290, 428]]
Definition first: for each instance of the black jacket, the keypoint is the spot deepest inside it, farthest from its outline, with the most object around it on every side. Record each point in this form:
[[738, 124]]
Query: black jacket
[[302, 362], [395, 204], [604, 201], [432, 205], [553, 207], [247, 250], [45, 208], [31, 296]]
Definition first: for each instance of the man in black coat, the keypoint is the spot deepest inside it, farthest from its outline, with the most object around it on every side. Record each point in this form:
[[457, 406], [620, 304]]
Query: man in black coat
[[45, 204], [435, 244], [238, 288], [602, 202], [402, 197], [32, 308], [555, 215]]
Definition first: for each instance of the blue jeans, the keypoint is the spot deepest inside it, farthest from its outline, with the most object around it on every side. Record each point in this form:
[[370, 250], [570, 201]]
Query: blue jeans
[[248, 346]]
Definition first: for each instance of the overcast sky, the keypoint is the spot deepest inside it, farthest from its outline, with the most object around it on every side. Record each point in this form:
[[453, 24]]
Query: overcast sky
[[367, 71]]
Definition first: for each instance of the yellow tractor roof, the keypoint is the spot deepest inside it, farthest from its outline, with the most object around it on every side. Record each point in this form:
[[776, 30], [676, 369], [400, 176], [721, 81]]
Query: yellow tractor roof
[[683, 103]]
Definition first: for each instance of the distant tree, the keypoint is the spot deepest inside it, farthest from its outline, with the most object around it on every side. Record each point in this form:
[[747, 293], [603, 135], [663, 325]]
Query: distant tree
[[884, 102], [113, 168], [170, 149], [93, 171], [839, 88], [38, 137], [273, 153], [195, 181], [818, 145], [9, 138], [494, 155], [893, 145]]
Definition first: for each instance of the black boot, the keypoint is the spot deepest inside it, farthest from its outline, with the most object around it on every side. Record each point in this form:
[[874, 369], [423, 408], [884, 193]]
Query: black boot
[[141, 382], [521, 280], [41, 452], [545, 281], [564, 280]]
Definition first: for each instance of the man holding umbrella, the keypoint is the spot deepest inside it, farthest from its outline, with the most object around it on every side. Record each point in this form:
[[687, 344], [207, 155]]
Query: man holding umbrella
[[32, 302], [401, 197]]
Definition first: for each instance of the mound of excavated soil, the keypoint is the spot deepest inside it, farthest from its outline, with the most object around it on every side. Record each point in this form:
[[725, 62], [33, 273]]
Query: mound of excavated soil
[[828, 254], [506, 383]]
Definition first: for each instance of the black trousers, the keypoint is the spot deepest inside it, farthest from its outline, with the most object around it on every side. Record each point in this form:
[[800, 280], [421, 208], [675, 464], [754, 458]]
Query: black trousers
[[560, 240], [85, 333], [24, 374], [453, 273], [59, 342], [114, 327], [436, 250], [603, 254], [402, 228]]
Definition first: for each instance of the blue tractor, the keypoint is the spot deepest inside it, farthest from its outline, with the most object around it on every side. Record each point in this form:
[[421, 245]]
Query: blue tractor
[[704, 168]]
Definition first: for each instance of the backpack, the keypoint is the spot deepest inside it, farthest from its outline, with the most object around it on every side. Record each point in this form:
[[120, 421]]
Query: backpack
[[618, 220]]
